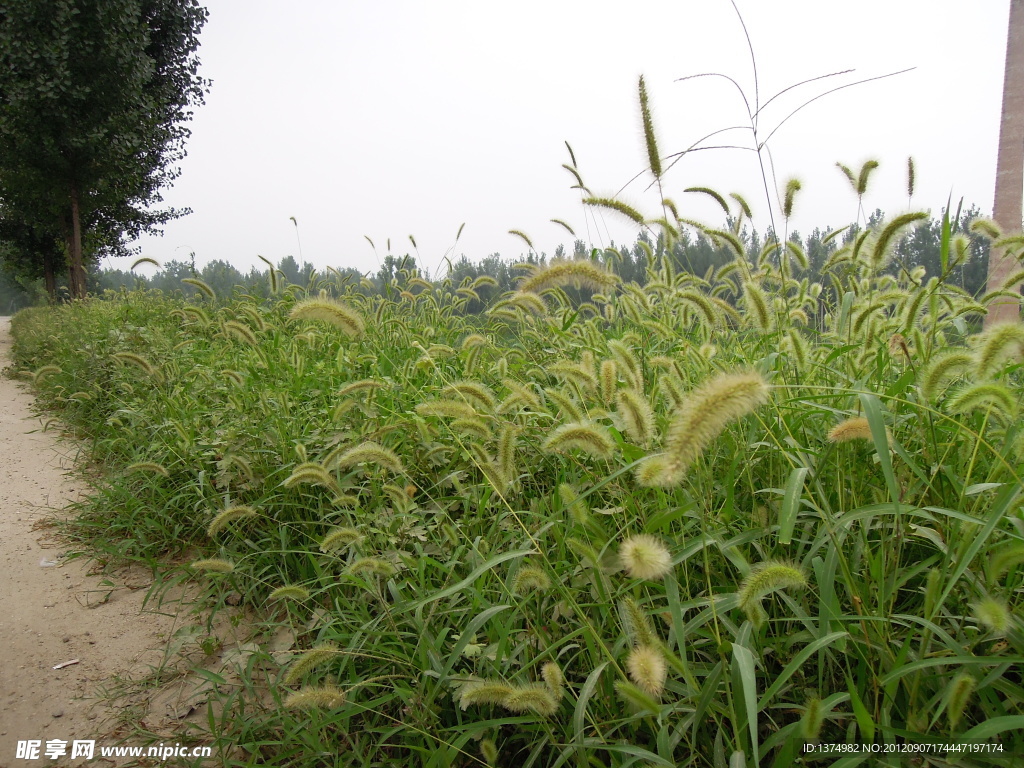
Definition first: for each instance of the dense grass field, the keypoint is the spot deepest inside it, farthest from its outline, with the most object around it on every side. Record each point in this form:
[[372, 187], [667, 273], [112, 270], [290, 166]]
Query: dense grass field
[[702, 522]]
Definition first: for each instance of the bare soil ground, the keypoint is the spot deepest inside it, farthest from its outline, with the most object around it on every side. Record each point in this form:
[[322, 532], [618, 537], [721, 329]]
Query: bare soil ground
[[55, 609]]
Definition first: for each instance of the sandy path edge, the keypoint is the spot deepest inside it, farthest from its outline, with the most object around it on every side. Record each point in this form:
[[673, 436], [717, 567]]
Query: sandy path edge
[[45, 618]]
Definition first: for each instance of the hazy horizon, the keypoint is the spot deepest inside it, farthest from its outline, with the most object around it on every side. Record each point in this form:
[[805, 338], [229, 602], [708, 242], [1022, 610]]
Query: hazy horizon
[[403, 119]]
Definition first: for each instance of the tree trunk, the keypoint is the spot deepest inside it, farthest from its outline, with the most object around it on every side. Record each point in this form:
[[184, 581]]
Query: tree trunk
[[1009, 168], [49, 276], [76, 270]]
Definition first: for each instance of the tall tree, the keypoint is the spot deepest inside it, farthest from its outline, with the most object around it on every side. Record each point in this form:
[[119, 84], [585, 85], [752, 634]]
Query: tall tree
[[29, 252], [1009, 166], [94, 97]]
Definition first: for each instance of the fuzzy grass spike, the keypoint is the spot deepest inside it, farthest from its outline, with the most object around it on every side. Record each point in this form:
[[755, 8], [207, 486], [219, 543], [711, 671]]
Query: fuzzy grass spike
[[339, 538], [310, 660], [647, 669], [587, 437], [370, 453], [763, 579], [289, 592], [645, 557], [214, 565], [530, 578], [229, 515], [699, 420], [585, 274], [334, 313], [319, 697], [150, 467]]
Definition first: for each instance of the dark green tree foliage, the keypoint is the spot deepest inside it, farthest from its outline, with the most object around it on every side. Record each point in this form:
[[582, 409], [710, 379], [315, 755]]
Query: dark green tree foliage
[[30, 252], [94, 100]]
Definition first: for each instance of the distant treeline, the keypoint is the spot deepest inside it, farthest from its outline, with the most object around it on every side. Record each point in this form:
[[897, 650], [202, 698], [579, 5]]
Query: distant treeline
[[697, 253]]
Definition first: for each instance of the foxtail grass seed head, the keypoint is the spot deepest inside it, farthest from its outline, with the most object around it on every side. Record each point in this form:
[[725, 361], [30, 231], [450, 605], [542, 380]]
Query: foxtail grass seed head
[[994, 615], [792, 187], [627, 362], [311, 473], [359, 386], [898, 347], [849, 430], [612, 204], [763, 579], [290, 592], [986, 228], [506, 458], [139, 362], [996, 345], [585, 551], [144, 260], [316, 697], [229, 515], [554, 679], [530, 578], [523, 300], [1006, 557], [447, 409], [647, 669], [940, 369], [891, 234], [338, 539], [583, 273], [150, 467], [214, 565], [483, 692], [241, 332], [567, 406], [636, 623], [960, 690], [812, 720], [863, 177], [474, 340], [334, 313], [520, 395], [474, 392], [655, 471], [575, 373], [983, 396], [637, 415], [645, 557], [587, 437], [699, 420], [241, 464], [571, 502], [373, 566], [310, 660], [650, 141], [370, 453], [200, 286], [489, 752], [531, 698], [473, 427], [755, 302]]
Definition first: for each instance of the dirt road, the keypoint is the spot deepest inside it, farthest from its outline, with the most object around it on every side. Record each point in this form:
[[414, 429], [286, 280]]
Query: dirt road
[[54, 610]]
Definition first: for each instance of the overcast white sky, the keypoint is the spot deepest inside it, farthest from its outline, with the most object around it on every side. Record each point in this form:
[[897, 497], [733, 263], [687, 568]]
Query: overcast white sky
[[402, 117]]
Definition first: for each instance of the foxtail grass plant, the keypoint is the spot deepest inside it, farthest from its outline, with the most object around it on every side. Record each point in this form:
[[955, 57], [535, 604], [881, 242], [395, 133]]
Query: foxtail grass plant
[[663, 519]]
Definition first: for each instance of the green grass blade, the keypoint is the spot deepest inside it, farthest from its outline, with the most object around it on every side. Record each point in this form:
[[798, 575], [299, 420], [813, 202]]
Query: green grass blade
[[791, 504], [744, 661]]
